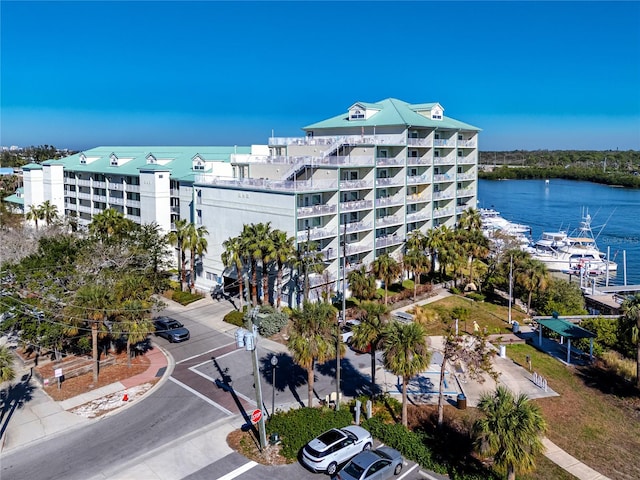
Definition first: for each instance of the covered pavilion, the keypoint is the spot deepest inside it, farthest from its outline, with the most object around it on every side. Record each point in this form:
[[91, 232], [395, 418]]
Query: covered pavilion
[[566, 330]]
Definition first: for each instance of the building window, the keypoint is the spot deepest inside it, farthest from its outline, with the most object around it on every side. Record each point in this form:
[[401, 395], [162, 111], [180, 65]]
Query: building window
[[211, 276], [199, 217], [460, 153], [356, 115]]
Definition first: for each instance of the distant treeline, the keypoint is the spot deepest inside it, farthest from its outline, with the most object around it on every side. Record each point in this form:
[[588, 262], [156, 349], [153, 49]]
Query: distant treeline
[[18, 158], [608, 167]]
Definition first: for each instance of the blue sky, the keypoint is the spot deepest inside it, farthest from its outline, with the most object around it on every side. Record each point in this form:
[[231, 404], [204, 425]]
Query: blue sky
[[532, 75]]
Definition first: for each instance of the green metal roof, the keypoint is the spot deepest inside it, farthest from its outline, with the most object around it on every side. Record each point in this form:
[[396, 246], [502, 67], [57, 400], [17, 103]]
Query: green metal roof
[[32, 166], [177, 160], [392, 112], [566, 329], [14, 199]]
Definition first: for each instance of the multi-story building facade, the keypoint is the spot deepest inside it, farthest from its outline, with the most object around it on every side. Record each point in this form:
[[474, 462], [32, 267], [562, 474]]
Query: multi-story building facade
[[366, 177]]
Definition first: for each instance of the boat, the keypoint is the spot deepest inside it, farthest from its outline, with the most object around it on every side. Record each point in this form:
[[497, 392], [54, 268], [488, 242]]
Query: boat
[[577, 253], [495, 227]]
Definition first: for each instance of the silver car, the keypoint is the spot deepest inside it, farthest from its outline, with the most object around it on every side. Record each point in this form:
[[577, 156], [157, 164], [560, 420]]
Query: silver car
[[379, 464], [334, 447]]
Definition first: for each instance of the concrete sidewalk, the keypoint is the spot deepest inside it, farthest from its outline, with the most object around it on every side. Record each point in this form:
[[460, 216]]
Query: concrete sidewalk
[[41, 417]]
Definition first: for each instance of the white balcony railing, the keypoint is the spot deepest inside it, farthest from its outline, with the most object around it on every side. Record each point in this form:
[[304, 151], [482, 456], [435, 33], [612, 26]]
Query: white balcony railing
[[356, 205], [419, 142], [442, 177], [418, 216], [389, 240], [133, 188], [116, 200], [384, 161], [392, 200], [355, 227], [443, 212], [97, 184], [466, 176], [386, 182], [466, 192], [446, 160], [417, 198], [444, 142], [355, 184], [418, 179], [84, 183], [389, 220], [359, 247], [316, 233], [442, 195], [316, 210], [418, 161]]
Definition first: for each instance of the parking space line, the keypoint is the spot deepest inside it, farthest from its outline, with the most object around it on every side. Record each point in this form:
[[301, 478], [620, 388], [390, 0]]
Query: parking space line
[[199, 395], [238, 471], [409, 471]]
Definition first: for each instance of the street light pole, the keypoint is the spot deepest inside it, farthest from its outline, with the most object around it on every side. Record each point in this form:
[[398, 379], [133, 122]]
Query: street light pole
[[274, 363], [510, 287], [344, 310]]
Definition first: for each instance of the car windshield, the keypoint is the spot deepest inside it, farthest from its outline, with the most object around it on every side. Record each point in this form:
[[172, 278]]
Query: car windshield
[[353, 469]]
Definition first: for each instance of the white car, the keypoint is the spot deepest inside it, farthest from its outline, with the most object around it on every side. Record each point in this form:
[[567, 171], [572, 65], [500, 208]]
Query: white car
[[334, 447], [346, 330]]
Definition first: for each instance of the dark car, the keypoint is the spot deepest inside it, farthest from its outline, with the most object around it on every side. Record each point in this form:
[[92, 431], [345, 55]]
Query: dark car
[[171, 329], [380, 464]]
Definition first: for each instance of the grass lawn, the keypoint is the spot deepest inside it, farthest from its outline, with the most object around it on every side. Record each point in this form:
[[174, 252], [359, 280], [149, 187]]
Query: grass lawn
[[596, 418]]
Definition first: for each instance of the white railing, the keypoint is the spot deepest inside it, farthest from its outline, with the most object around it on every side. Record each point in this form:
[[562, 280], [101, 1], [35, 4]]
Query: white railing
[[382, 242], [97, 184], [116, 200], [418, 179], [418, 216], [133, 218], [419, 142], [466, 176], [353, 248], [368, 138], [442, 212], [133, 203], [465, 192], [467, 143], [385, 182], [355, 227], [443, 194], [266, 184], [442, 177], [84, 183], [417, 198], [316, 210], [418, 161], [133, 188], [69, 181], [84, 196], [100, 198], [467, 160], [389, 220], [116, 186], [355, 184], [174, 192], [383, 161], [82, 208], [447, 159], [393, 200], [356, 205], [444, 142], [316, 233]]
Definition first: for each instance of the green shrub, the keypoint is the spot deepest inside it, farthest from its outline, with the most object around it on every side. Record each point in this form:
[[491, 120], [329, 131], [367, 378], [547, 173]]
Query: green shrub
[[185, 298], [271, 321], [478, 297], [408, 284], [235, 318], [297, 427]]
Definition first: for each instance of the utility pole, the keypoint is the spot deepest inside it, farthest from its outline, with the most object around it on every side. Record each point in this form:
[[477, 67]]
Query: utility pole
[[344, 312], [306, 265], [510, 286]]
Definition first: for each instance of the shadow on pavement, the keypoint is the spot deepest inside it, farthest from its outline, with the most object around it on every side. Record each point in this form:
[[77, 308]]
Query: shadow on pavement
[[14, 397]]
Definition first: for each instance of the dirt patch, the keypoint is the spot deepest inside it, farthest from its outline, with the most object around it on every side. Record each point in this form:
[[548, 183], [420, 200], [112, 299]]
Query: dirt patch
[[245, 443], [84, 383]]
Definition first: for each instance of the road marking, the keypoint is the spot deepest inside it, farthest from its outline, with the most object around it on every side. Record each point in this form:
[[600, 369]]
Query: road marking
[[213, 380], [203, 353], [409, 471], [238, 471], [425, 474], [198, 394]]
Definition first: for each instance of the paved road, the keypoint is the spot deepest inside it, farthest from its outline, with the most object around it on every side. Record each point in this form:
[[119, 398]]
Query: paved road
[[183, 405]]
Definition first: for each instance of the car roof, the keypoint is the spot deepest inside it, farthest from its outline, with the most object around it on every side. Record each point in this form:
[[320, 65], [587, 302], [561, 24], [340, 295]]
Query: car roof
[[331, 436]]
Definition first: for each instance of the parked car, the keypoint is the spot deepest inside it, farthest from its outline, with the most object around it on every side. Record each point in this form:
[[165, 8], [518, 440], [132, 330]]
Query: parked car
[[379, 464], [346, 330], [171, 329], [334, 447]]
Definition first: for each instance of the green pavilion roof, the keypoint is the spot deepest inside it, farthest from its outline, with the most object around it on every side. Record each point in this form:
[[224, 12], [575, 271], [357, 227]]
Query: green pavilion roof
[[566, 329]]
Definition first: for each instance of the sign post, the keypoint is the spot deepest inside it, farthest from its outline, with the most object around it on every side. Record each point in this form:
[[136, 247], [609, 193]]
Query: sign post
[[58, 374]]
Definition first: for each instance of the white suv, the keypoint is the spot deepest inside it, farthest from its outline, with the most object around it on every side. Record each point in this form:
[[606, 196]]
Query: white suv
[[335, 447]]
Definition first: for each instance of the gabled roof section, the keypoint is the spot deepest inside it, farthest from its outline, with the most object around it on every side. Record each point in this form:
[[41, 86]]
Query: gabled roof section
[[392, 112], [32, 166]]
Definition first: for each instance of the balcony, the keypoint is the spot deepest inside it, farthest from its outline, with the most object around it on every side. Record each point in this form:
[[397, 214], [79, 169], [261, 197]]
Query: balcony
[[467, 160], [419, 142], [84, 196], [467, 143], [97, 184], [387, 201], [440, 142], [175, 209], [418, 161], [446, 160], [389, 220], [174, 192], [359, 247], [443, 195], [418, 179], [316, 233], [134, 218], [393, 181], [82, 208], [84, 183], [356, 205], [355, 184], [69, 180], [265, 184], [385, 161], [466, 192], [418, 198], [133, 188], [100, 198], [389, 240], [316, 210], [133, 203], [116, 201], [443, 212], [355, 227], [466, 176], [418, 216], [116, 186], [442, 177]]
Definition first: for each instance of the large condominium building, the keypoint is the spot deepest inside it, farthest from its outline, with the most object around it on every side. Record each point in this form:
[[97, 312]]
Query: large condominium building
[[368, 176]]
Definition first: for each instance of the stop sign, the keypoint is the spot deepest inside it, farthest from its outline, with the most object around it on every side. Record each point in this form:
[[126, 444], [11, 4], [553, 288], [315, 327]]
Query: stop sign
[[256, 416]]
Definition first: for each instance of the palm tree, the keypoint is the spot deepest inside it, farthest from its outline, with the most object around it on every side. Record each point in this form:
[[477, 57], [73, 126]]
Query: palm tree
[[476, 246], [362, 285], [7, 372], [418, 263], [386, 269], [534, 276], [405, 354], [416, 240], [369, 333], [434, 242], [629, 327], [133, 323], [177, 238], [91, 305], [196, 242], [110, 224], [313, 338], [285, 252], [49, 212], [470, 220], [257, 247], [510, 431], [233, 257], [34, 214]]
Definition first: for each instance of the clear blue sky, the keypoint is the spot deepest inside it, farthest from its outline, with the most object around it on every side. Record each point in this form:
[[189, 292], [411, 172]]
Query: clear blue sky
[[532, 75]]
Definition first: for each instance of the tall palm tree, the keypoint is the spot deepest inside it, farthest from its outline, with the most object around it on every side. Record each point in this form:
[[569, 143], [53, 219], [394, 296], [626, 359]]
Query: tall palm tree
[[417, 262], [258, 248], [629, 327], [110, 224], [49, 212], [533, 277], [285, 253], [91, 304], [470, 219], [369, 333], [406, 354], [233, 256], [362, 285], [476, 247], [510, 432], [313, 338], [196, 241], [177, 238], [7, 372], [34, 214], [387, 269], [434, 241], [416, 240]]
